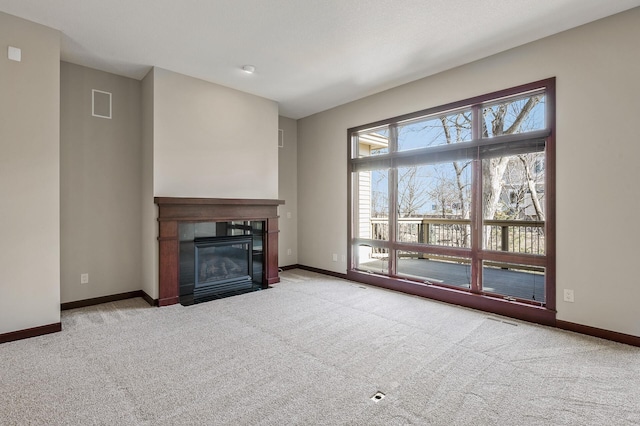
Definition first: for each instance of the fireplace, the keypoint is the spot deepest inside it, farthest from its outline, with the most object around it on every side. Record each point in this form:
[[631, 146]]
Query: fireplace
[[223, 264], [219, 259], [210, 247]]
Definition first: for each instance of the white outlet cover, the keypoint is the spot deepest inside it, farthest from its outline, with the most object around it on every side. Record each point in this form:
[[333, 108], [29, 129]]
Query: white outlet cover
[[568, 295]]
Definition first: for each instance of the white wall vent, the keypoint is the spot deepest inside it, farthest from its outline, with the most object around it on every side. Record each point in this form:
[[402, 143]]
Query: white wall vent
[[100, 104], [14, 53]]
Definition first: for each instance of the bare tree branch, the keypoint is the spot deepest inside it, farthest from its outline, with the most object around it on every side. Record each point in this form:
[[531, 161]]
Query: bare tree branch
[[531, 183], [523, 114]]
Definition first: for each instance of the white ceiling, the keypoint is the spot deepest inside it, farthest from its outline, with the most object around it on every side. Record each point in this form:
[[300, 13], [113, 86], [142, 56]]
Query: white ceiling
[[310, 55]]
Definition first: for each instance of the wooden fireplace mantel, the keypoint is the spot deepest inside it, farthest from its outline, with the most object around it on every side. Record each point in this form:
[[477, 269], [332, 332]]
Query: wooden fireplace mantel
[[172, 211]]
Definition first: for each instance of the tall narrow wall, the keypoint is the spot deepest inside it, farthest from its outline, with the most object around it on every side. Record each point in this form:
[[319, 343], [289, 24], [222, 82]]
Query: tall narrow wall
[[100, 193], [29, 176]]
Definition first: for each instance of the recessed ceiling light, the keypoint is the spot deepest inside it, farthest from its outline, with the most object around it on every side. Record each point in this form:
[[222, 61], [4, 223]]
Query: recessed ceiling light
[[249, 69]]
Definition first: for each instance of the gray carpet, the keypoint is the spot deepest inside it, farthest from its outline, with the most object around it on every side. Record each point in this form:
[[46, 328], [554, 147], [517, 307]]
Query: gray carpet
[[314, 350]]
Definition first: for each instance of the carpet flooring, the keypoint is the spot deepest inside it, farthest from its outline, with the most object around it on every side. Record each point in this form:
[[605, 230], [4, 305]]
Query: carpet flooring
[[313, 350]]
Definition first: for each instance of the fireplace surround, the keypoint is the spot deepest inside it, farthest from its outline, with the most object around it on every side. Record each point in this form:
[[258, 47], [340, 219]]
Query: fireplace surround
[[174, 211]]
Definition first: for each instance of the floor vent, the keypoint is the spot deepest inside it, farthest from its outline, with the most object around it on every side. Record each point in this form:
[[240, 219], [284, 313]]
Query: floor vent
[[377, 396], [502, 321]]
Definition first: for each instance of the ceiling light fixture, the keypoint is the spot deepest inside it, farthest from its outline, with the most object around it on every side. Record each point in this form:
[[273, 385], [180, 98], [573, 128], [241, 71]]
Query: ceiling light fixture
[[249, 69]]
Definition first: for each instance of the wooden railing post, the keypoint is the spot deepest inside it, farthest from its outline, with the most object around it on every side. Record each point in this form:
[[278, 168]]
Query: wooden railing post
[[505, 238], [425, 231]]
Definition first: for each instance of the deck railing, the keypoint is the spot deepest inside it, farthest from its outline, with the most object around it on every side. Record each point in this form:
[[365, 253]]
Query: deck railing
[[517, 236]]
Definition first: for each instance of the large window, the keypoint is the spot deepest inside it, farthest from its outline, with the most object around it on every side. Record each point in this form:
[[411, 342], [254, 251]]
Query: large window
[[457, 202]]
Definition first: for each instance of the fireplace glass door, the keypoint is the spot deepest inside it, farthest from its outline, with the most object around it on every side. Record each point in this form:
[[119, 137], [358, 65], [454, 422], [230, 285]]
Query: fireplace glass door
[[223, 263], [219, 259]]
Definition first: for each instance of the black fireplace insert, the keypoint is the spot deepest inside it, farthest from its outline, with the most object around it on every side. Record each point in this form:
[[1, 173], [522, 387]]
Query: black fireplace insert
[[220, 259], [222, 263]]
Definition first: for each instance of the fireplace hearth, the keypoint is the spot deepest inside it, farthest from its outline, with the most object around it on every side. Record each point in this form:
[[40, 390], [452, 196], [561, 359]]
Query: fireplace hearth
[[211, 247]]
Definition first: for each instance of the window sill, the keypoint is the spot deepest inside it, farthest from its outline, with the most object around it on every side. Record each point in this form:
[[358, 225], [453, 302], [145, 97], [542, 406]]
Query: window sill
[[495, 305]]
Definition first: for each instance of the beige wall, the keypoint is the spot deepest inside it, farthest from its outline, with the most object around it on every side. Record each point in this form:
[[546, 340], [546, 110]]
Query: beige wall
[[598, 101], [288, 191], [100, 187], [212, 141], [29, 176]]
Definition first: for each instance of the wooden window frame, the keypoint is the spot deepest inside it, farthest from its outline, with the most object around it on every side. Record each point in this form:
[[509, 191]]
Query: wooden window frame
[[475, 298]]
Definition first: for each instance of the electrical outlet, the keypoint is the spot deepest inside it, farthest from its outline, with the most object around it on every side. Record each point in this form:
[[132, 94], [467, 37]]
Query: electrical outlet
[[568, 296], [344, 258], [288, 252], [335, 257], [84, 278]]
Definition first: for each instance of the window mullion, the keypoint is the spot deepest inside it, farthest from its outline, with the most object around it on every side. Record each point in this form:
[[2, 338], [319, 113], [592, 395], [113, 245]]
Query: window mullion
[[476, 204], [393, 201]]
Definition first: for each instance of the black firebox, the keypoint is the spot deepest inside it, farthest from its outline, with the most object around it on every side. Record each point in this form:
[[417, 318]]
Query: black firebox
[[222, 264], [217, 266]]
